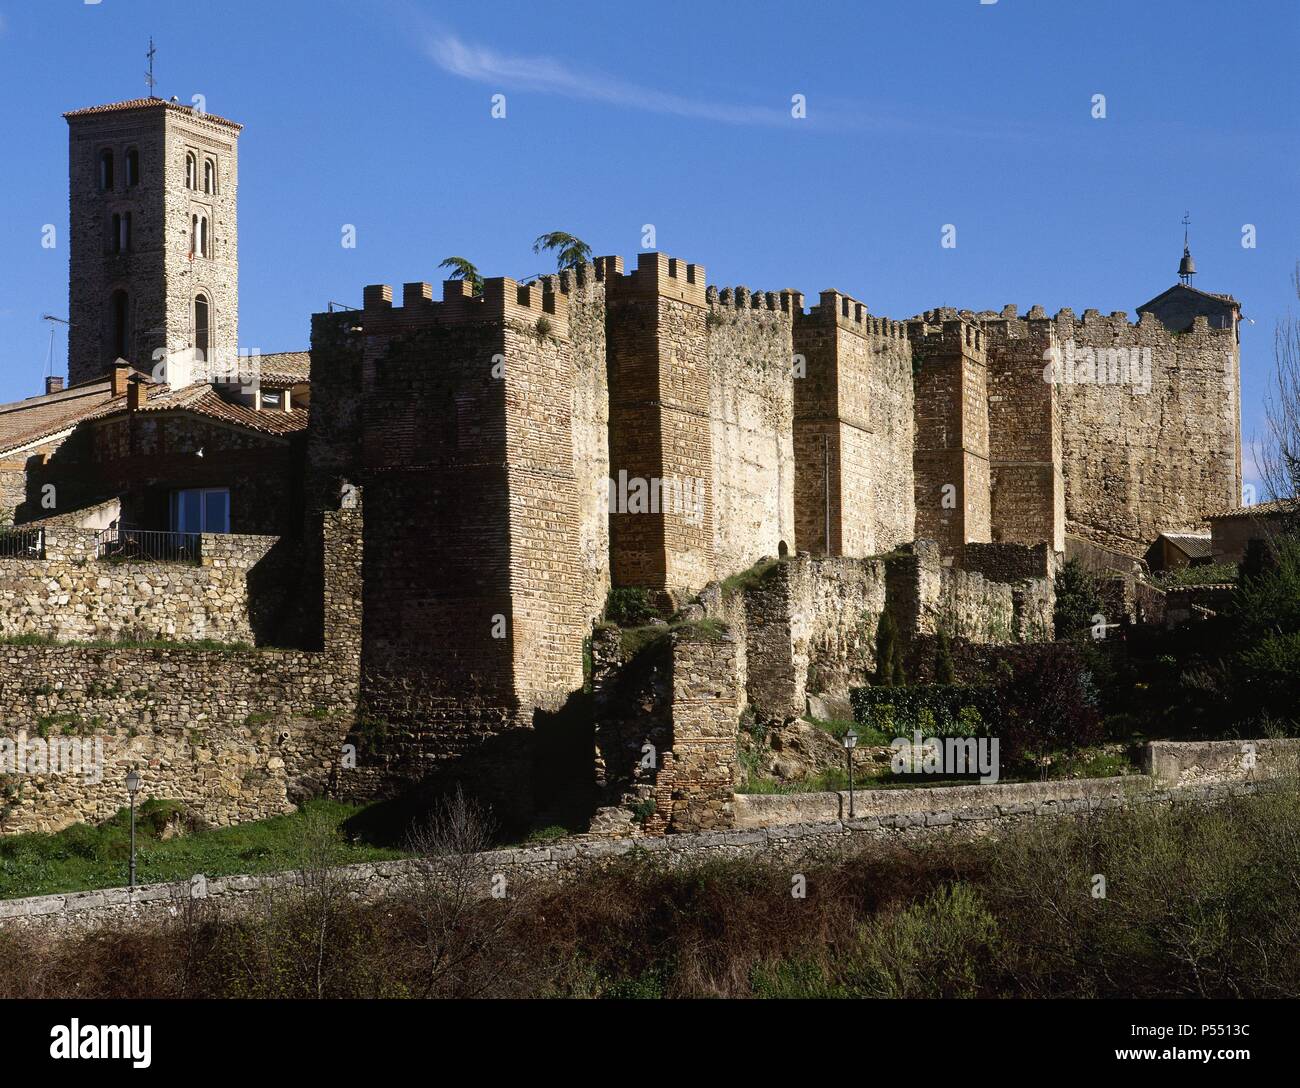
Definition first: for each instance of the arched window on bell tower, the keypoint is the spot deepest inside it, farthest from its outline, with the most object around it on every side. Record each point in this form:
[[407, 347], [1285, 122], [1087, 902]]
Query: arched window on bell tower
[[132, 167], [209, 176], [191, 171], [202, 328], [106, 171]]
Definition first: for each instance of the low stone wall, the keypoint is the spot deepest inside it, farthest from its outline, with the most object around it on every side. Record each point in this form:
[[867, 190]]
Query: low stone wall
[[235, 736], [939, 804], [72, 596], [1177, 763], [799, 843]]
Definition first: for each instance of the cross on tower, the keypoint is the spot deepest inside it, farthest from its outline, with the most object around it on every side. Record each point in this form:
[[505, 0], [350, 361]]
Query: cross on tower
[[149, 79]]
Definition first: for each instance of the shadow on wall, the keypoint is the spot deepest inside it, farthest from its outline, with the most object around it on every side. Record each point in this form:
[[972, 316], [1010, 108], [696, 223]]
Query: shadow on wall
[[272, 608], [526, 777]]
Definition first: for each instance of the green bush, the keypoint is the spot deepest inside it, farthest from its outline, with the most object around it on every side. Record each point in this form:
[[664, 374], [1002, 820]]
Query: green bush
[[889, 653], [949, 710], [1077, 600], [629, 606]]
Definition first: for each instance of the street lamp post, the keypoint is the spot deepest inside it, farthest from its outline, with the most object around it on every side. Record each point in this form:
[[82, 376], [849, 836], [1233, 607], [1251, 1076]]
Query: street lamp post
[[132, 788], [850, 742]]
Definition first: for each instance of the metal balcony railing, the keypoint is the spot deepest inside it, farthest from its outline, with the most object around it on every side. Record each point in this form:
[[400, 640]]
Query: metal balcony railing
[[147, 545], [22, 543]]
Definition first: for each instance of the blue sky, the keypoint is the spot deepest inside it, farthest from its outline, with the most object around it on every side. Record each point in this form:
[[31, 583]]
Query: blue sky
[[377, 113]]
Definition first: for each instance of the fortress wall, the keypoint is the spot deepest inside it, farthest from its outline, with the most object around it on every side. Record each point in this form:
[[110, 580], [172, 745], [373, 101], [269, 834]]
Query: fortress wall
[[549, 608], [1027, 485], [437, 534], [811, 623], [236, 736], [473, 588], [750, 347], [951, 459], [585, 289], [659, 421], [1137, 464], [853, 430], [818, 512]]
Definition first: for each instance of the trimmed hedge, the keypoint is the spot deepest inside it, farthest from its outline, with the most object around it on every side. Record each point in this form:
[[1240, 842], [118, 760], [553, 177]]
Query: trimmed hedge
[[1038, 699], [950, 710]]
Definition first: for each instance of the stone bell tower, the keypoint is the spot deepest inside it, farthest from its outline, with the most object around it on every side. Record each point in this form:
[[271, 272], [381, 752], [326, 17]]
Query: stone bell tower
[[154, 237]]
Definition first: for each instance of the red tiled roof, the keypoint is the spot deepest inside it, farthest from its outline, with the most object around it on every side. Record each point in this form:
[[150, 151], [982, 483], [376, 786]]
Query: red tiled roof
[[152, 103], [1276, 506], [26, 421], [288, 367], [203, 400]]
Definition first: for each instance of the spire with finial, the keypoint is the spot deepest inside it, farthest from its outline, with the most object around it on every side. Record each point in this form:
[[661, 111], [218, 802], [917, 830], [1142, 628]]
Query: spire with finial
[[1187, 266]]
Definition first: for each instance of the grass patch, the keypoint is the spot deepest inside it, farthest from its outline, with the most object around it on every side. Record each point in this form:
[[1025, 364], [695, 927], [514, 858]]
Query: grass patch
[[83, 857], [746, 579], [635, 639]]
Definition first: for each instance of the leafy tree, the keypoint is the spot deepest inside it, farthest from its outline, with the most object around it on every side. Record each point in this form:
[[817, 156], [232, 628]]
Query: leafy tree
[[569, 251], [889, 656], [944, 671], [1077, 600], [1265, 613], [1278, 454], [463, 269]]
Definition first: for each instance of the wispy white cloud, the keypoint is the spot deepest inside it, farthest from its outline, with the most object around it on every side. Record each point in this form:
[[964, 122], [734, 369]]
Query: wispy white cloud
[[547, 75]]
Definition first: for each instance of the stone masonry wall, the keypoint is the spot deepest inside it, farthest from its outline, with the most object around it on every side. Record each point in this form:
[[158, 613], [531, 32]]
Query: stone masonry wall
[[585, 289], [853, 430], [72, 596], [236, 735], [809, 624], [750, 347], [659, 422], [1140, 463], [951, 458], [1028, 487]]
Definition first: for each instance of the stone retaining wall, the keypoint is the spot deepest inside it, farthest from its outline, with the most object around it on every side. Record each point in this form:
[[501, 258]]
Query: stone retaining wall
[[791, 843]]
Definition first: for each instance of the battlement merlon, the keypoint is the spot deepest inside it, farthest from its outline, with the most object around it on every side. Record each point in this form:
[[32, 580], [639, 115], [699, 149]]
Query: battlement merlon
[[789, 302], [947, 335], [1098, 329], [503, 300], [659, 276], [846, 312]]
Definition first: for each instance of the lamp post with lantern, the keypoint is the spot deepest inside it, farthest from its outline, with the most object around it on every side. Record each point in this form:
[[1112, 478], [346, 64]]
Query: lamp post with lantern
[[850, 742], [132, 788]]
